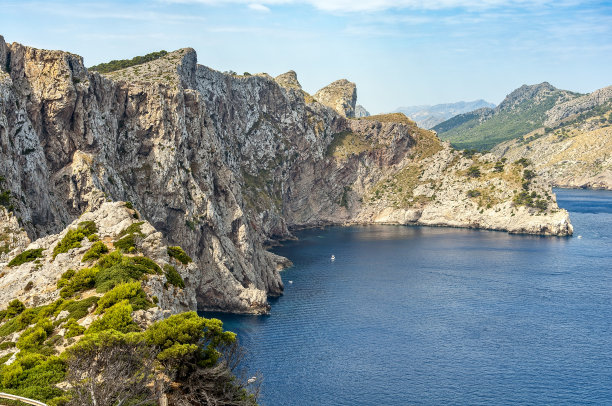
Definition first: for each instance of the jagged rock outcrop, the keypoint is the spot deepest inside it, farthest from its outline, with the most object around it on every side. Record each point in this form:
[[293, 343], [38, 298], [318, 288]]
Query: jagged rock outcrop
[[562, 111], [340, 95], [288, 80], [361, 112], [13, 238], [220, 164]]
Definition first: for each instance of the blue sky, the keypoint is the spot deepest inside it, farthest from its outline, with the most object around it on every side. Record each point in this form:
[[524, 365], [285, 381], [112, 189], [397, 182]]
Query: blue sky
[[399, 53]]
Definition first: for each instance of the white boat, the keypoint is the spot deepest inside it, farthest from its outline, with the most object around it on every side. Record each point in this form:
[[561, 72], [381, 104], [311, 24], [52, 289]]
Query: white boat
[[290, 282], [333, 257]]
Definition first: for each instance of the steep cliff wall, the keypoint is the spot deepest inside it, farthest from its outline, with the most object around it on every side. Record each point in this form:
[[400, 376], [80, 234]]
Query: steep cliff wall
[[220, 164]]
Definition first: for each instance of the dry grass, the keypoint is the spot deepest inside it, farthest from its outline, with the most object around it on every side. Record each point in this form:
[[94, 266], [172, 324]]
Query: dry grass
[[398, 189], [348, 143]]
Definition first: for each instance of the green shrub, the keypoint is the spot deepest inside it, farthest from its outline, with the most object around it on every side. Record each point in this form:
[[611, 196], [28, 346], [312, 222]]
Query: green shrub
[[116, 268], [499, 166], [131, 291], [26, 256], [73, 329], [82, 280], [77, 309], [180, 336], [6, 345], [126, 244], [96, 251], [528, 174], [524, 162], [473, 172], [118, 317], [34, 376], [34, 337], [179, 254], [115, 65], [473, 193], [148, 263], [134, 228], [173, 277], [469, 153], [14, 308], [93, 237], [73, 237], [6, 357]]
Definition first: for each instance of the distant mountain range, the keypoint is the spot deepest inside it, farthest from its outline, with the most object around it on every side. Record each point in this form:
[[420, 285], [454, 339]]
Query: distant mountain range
[[522, 111], [428, 116]]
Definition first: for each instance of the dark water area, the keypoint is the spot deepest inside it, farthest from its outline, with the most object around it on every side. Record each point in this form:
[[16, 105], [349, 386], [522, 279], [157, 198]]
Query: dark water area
[[417, 315]]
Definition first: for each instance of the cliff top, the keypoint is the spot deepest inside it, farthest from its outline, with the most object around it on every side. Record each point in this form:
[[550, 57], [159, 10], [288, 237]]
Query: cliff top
[[288, 80], [340, 95], [167, 68]]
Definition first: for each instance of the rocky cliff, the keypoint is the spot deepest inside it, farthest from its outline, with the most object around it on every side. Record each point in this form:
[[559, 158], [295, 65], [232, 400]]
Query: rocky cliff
[[222, 164]]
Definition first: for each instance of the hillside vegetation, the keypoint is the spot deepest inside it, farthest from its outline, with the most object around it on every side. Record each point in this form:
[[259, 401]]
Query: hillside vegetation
[[523, 111], [576, 152]]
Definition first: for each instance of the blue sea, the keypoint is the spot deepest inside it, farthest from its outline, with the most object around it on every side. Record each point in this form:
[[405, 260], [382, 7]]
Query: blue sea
[[437, 316]]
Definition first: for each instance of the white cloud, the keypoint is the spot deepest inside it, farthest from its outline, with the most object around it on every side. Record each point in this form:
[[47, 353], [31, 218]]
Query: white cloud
[[380, 5], [259, 7]]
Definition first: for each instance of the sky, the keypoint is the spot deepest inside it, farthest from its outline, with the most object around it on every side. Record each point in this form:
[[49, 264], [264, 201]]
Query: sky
[[398, 52]]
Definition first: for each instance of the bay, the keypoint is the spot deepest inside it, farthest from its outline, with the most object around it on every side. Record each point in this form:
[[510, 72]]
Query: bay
[[422, 315]]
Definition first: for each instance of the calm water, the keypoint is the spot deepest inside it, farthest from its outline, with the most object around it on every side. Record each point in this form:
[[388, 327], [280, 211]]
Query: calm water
[[416, 315]]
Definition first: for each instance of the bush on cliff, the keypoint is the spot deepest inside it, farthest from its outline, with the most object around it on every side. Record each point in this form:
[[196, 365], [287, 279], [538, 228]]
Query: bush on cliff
[[126, 63], [179, 254], [26, 256], [73, 237]]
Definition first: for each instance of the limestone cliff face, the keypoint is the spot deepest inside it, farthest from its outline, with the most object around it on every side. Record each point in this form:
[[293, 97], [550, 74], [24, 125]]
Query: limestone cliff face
[[221, 164]]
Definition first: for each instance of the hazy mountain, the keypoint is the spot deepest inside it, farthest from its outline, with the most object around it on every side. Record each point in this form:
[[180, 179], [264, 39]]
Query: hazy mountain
[[428, 116]]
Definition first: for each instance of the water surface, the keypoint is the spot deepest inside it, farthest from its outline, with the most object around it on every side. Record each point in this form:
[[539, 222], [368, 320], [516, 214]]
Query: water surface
[[418, 315]]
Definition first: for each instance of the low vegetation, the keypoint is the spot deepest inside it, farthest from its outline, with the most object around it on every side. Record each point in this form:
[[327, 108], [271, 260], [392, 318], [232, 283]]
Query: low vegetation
[[177, 253], [114, 360], [482, 132], [95, 252], [173, 277], [347, 143], [73, 237], [26, 256], [115, 65]]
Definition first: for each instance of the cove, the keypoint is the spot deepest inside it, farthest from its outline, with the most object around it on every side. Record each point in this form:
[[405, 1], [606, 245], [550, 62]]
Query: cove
[[421, 315]]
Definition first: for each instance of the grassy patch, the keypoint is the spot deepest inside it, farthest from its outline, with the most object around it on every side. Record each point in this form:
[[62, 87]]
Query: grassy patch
[[347, 143]]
